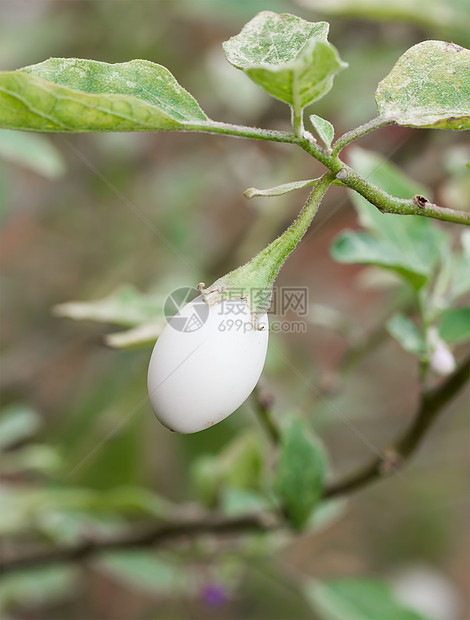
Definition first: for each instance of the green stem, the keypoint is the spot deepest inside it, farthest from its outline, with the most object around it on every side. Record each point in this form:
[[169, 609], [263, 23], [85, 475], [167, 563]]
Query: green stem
[[276, 253], [297, 112], [263, 405], [255, 279], [241, 131], [360, 131], [417, 205], [297, 122], [432, 403]]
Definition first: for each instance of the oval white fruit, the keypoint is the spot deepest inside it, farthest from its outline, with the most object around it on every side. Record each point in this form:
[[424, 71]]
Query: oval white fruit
[[205, 364]]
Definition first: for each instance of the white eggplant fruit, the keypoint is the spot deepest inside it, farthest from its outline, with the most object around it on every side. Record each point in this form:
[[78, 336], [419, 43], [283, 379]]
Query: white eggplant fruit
[[201, 373]]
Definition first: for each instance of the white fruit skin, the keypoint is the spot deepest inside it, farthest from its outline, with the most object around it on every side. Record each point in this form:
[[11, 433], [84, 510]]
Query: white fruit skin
[[196, 379]]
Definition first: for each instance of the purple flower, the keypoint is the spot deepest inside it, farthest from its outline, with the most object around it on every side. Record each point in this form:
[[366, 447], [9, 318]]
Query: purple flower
[[213, 595]]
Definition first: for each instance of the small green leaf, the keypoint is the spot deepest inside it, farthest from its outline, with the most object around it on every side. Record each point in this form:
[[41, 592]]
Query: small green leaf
[[35, 153], [324, 128], [356, 599], [428, 87], [17, 422], [455, 325], [71, 94], [279, 190], [299, 474], [287, 56], [405, 332], [125, 306], [362, 248]]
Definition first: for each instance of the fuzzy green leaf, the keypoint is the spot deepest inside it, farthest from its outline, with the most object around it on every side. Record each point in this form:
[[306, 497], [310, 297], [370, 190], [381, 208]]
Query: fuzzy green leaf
[[300, 473], [125, 306], [324, 129], [278, 190], [71, 94], [428, 87], [455, 325], [287, 56], [405, 332]]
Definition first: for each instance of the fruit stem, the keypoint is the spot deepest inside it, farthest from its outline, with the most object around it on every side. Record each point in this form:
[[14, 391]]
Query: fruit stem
[[254, 281]]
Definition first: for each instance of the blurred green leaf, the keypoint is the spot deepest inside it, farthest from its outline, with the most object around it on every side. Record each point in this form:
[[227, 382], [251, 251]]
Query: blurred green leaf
[[405, 332], [455, 188], [461, 270], [418, 239], [144, 571], [17, 422], [428, 87], [69, 527], [238, 466], [125, 306], [71, 94], [362, 248], [139, 337], [287, 56], [279, 190], [327, 514], [36, 153], [435, 14], [324, 129], [39, 458], [455, 325], [240, 501], [25, 507], [227, 11], [411, 245], [300, 473], [205, 480], [357, 599], [37, 586]]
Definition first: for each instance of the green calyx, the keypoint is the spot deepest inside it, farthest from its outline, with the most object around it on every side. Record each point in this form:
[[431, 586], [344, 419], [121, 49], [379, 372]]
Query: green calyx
[[254, 280]]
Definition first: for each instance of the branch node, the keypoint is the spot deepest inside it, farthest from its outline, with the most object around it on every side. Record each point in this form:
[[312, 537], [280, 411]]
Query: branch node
[[391, 464]]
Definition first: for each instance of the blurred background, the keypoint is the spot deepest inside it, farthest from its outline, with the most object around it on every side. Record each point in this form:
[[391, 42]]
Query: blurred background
[[82, 451]]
